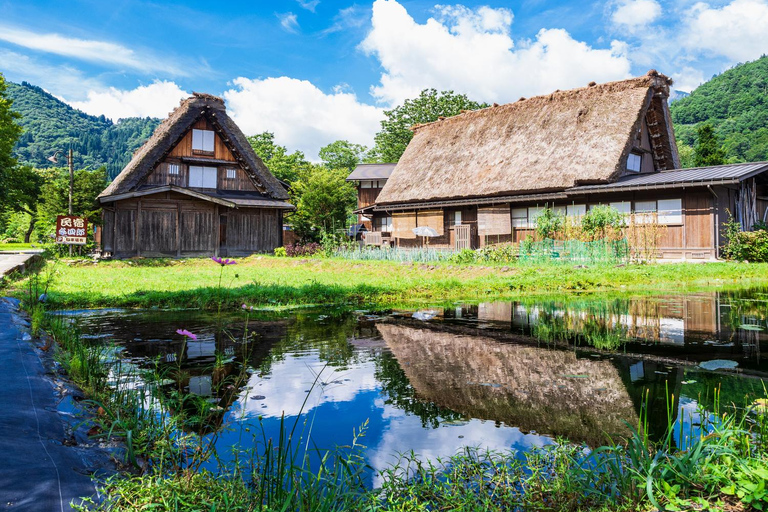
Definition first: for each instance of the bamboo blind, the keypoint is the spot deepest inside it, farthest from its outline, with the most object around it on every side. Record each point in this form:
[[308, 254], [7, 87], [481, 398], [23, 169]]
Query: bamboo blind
[[403, 224], [494, 220], [432, 219]]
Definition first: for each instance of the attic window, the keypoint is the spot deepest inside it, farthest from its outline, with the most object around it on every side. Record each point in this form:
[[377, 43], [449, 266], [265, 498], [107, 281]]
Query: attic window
[[634, 162], [202, 177], [202, 140], [231, 174], [173, 169]]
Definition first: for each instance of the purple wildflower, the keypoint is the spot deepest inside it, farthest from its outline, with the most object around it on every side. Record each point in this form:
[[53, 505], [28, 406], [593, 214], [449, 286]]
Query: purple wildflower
[[223, 261], [246, 307], [186, 333]]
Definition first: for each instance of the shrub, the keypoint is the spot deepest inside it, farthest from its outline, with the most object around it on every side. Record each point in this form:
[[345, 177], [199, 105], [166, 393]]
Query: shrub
[[281, 252], [549, 224], [463, 256], [302, 250], [745, 245], [602, 222], [498, 253]]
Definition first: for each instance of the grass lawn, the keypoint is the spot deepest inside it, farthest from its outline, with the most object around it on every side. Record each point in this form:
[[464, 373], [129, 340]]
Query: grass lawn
[[18, 247], [268, 280]]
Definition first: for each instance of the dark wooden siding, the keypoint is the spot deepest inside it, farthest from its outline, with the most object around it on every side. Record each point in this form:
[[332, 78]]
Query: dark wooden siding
[[124, 232], [252, 230], [157, 231], [198, 231], [241, 181], [367, 196], [160, 175]]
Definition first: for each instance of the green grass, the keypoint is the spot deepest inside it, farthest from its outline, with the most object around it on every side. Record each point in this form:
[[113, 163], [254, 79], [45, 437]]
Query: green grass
[[267, 280], [18, 247]]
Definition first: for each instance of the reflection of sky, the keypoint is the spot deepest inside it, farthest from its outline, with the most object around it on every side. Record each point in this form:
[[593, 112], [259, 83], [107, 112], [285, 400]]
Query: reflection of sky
[[351, 398]]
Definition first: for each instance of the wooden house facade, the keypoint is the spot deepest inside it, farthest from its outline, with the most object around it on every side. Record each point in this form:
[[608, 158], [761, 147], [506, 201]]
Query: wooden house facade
[[484, 176], [369, 179], [195, 188]]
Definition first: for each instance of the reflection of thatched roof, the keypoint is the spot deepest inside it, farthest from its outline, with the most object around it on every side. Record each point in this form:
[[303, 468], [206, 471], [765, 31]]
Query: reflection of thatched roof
[[523, 386], [545, 143], [173, 129]]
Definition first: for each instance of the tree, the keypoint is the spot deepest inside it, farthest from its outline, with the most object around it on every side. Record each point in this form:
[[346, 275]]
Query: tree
[[23, 193], [10, 132], [55, 197], [282, 165], [707, 150], [395, 132], [324, 200], [342, 154]]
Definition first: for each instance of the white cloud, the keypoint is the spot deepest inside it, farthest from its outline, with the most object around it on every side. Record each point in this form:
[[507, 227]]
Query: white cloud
[[299, 114], [737, 30], [288, 21], [472, 52], [154, 100], [688, 78], [101, 52], [309, 5], [63, 79], [636, 13]]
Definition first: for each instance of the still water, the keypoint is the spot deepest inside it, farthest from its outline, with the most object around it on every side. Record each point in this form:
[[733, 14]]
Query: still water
[[492, 375]]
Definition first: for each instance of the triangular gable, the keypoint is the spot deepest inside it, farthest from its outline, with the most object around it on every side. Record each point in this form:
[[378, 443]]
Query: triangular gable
[[173, 129]]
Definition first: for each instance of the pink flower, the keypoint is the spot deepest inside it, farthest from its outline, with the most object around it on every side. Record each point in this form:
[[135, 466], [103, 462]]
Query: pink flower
[[223, 261], [186, 333], [247, 307]]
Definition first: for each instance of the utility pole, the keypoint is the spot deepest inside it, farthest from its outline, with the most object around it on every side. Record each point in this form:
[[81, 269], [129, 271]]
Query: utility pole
[[71, 179]]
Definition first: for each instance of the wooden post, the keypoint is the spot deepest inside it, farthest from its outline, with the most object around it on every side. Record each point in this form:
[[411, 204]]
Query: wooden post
[[137, 237], [178, 229], [217, 228]]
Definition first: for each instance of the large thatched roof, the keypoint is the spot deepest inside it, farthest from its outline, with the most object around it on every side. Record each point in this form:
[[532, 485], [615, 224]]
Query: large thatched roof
[[173, 129], [545, 143]]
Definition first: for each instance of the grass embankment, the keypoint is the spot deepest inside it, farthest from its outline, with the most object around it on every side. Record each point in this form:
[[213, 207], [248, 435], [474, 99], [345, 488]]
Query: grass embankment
[[270, 280], [17, 247]]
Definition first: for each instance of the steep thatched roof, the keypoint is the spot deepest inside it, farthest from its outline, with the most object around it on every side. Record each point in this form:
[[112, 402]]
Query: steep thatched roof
[[546, 143], [173, 129]]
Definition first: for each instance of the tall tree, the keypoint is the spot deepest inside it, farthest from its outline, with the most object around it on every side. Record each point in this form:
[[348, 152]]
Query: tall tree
[[430, 105], [283, 165], [324, 200], [10, 132], [342, 154], [23, 193], [708, 151], [55, 197]]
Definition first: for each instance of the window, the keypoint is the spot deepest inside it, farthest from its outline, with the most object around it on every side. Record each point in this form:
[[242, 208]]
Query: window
[[231, 174], [383, 224], [670, 211], [202, 140], [533, 214], [561, 211], [519, 217], [644, 211], [457, 218], [173, 169], [634, 162], [576, 210], [366, 184], [202, 177], [624, 207]]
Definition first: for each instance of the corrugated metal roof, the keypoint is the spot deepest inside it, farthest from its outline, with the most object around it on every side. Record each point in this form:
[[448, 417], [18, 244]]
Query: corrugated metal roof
[[371, 172], [680, 177]]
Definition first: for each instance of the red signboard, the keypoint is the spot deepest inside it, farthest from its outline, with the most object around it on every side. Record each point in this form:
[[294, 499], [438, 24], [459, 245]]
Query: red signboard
[[71, 230]]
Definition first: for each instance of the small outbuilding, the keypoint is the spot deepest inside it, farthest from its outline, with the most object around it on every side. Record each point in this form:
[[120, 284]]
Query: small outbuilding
[[195, 188]]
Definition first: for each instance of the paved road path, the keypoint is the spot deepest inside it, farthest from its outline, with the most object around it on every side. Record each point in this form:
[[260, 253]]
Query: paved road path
[[37, 472], [10, 261]]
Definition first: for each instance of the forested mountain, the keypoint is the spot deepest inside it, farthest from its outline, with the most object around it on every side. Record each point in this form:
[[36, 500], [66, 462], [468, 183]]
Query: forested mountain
[[736, 104], [50, 124]]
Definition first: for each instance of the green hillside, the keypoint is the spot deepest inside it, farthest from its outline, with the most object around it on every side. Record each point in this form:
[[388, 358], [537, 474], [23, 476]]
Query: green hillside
[[50, 124], [736, 104]]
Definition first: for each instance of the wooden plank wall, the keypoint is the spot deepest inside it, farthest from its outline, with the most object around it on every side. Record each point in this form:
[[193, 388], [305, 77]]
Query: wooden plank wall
[[184, 147], [253, 230], [367, 196]]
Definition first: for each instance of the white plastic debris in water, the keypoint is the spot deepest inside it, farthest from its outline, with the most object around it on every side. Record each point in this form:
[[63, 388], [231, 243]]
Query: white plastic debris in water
[[718, 364], [425, 314]]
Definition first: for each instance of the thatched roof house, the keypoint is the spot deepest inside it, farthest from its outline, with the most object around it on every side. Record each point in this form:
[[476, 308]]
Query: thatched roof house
[[196, 187], [546, 143], [484, 176]]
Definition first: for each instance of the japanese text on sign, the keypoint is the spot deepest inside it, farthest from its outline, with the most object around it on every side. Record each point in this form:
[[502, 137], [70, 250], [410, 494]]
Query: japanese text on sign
[[71, 230]]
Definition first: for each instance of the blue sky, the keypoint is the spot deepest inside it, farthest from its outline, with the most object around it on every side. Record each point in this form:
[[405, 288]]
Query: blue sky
[[313, 71]]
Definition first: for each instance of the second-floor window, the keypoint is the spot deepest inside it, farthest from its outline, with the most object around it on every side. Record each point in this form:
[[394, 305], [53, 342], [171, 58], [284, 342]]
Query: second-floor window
[[634, 162], [173, 169], [231, 174], [202, 177], [202, 140]]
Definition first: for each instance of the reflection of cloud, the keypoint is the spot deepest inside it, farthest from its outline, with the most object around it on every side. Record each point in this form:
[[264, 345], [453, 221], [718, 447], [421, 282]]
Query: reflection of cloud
[[295, 375], [405, 433]]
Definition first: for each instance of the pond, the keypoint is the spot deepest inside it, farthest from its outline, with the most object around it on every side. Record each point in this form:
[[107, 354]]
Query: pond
[[433, 380]]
